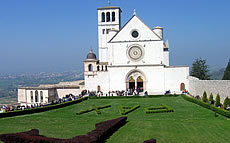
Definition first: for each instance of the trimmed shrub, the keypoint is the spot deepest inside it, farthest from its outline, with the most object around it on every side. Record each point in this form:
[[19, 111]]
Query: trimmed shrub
[[211, 98], [160, 109], [150, 141], [217, 102], [97, 109], [204, 98], [208, 106], [40, 109], [103, 131], [126, 109], [226, 102]]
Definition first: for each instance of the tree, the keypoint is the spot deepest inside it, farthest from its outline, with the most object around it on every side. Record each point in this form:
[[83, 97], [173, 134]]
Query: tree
[[204, 98], [226, 102], [211, 98], [200, 69], [217, 100], [227, 72]]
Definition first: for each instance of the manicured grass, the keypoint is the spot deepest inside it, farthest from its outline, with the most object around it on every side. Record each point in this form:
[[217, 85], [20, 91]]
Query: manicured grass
[[188, 123]]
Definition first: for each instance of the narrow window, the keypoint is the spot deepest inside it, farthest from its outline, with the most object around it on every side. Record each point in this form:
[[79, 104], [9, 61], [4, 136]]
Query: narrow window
[[107, 31], [36, 96], [103, 17], [90, 67], [106, 68], [31, 96], [41, 95], [107, 17], [113, 16], [103, 31], [102, 68]]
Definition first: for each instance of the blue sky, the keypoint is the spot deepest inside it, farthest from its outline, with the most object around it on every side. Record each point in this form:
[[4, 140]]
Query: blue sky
[[56, 35]]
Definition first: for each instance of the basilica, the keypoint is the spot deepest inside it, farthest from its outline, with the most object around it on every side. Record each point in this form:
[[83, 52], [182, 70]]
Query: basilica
[[132, 57]]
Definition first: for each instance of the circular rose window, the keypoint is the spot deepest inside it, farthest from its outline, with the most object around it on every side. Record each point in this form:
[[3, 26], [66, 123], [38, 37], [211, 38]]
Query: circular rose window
[[135, 53], [135, 34]]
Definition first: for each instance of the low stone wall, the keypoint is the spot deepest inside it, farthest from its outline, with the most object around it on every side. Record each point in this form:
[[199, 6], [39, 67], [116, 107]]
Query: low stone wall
[[197, 87]]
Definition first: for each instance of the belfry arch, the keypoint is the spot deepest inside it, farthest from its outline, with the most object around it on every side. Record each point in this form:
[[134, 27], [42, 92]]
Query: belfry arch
[[136, 79]]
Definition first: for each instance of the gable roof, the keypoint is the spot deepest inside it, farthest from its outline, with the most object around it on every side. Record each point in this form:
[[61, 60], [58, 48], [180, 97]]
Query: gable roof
[[157, 37]]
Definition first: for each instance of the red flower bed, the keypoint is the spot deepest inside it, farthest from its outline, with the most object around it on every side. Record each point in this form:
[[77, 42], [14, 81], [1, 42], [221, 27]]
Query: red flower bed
[[103, 131]]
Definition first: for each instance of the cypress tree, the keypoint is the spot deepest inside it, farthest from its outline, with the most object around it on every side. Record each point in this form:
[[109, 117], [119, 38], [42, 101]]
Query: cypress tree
[[226, 102], [204, 98], [218, 100], [210, 98], [227, 72]]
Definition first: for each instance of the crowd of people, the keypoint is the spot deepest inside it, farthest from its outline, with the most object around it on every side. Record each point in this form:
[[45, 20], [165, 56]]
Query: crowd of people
[[8, 108]]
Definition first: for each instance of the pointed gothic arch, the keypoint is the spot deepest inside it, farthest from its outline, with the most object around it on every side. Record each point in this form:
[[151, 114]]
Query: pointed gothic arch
[[137, 79]]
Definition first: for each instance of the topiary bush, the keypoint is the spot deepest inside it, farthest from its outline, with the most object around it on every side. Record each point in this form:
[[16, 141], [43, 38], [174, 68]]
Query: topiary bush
[[217, 102], [127, 109], [160, 109], [204, 98], [226, 102], [210, 99]]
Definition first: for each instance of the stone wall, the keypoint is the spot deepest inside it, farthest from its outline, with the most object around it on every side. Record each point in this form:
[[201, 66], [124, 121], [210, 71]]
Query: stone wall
[[197, 87]]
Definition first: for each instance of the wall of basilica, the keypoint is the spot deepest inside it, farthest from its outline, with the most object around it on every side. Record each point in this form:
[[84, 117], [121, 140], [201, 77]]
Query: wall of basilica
[[197, 87]]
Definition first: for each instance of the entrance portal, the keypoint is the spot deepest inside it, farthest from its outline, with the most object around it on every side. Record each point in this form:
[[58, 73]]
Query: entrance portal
[[135, 81]]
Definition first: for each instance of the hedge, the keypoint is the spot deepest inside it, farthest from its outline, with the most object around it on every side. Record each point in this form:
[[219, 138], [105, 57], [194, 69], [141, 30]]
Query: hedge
[[40, 109], [100, 134], [117, 97], [161, 109], [208, 106], [127, 109], [97, 109]]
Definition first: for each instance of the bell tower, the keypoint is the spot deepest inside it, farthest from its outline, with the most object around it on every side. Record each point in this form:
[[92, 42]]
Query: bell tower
[[109, 23]]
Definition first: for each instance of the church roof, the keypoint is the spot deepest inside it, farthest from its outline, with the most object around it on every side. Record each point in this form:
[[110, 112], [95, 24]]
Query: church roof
[[134, 15], [109, 7]]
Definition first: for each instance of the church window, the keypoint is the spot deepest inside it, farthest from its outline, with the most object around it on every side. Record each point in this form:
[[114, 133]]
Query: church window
[[103, 17], [90, 67], [106, 68], [113, 16], [36, 96], [107, 17], [135, 34], [107, 31], [98, 68], [31, 96], [41, 95], [103, 31]]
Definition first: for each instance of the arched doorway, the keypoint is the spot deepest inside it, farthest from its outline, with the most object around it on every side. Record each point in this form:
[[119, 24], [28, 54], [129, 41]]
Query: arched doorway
[[99, 88], [135, 81], [140, 84], [182, 86], [132, 84]]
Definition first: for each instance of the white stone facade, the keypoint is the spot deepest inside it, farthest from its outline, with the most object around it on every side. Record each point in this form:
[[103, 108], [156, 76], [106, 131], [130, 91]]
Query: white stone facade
[[45, 94], [135, 57]]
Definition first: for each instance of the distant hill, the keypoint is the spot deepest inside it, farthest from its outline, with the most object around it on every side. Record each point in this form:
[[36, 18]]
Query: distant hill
[[217, 74], [9, 83]]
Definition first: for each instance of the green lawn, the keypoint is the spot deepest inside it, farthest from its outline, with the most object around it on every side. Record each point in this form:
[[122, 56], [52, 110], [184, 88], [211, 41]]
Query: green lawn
[[189, 123]]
